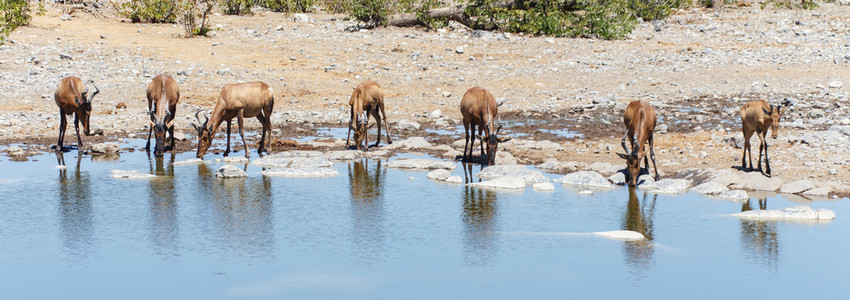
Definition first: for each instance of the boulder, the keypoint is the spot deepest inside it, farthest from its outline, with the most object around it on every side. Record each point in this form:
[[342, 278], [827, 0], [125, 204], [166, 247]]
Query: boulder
[[517, 171], [796, 187], [454, 179], [585, 178], [711, 188], [801, 213], [504, 158], [439, 174], [501, 183], [230, 171], [105, 148], [543, 186], [670, 186], [618, 178], [421, 164]]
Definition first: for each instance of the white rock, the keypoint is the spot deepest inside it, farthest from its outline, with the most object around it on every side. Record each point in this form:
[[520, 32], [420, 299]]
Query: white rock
[[234, 160], [543, 186], [105, 148], [586, 178], [710, 188], [405, 125], [436, 114], [504, 158], [756, 181], [292, 162], [586, 193], [835, 84], [796, 187], [301, 172], [439, 174], [301, 18], [345, 155], [670, 186], [191, 161], [605, 168], [618, 178], [789, 213], [621, 235], [821, 191], [517, 171], [61, 167], [119, 174], [421, 164], [501, 183], [230, 171], [735, 195], [454, 179]]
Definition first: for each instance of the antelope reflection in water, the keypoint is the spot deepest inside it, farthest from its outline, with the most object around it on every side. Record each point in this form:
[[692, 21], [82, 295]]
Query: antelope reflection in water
[[241, 211], [479, 219], [760, 239], [162, 195], [366, 184], [75, 207], [639, 217]]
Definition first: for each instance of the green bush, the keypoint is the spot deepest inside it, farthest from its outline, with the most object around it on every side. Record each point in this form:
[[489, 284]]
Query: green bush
[[194, 15], [371, 12], [236, 7], [289, 6], [149, 11], [13, 14]]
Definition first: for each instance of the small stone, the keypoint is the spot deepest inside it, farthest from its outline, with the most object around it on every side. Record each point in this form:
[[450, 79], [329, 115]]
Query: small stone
[[180, 136], [454, 179], [407, 125], [65, 17], [64, 56], [460, 50], [439, 174], [230, 171], [105, 148], [543, 186], [835, 84], [447, 94]]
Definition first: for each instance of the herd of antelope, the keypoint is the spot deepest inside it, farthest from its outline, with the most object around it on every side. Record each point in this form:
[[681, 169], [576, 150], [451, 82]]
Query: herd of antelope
[[478, 107]]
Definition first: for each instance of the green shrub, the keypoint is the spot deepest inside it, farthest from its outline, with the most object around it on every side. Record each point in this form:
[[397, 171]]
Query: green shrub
[[289, 6], [194, 15], [13, 14], [236, 7], [149, 11], [370, 12]]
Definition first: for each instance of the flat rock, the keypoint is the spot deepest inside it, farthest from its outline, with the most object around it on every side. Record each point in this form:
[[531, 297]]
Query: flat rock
[[501, 183], [621, 235], [669, 186], [234, 160], [105, 148], [605, 168], [552, 164], [801, 212], [439, 174], [345, 155], [543, 186], [191, 161], [796, 187], [586, 178], [230, 171], [517, 171], [293, 162], [504, 158], [119, 174], [419, 164], [711, 188], [454, 179], [416, 142], [756, 181], [735, 195], [407, 125], [821, 191], [300, 172], [618, 178]]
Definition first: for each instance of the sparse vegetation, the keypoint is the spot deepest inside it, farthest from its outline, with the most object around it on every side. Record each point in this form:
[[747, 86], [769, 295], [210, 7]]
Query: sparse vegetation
[[289, 6], [194, 15], [236, 7], [149, 11], [13, 13]]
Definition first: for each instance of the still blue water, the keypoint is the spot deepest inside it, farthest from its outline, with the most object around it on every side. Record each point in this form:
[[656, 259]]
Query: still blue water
[[378, 233]]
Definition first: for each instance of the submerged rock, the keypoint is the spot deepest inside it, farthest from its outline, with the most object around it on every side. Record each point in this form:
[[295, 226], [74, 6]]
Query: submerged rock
[[621, 235], [189, 162], [234, 160], [735, 195], [230, 171], [802, 213], [543, 186], [119, 174], [293, 162], [421, 164], [501, 183], [301, 172], [586, 178], [439, 174], [517, 171]]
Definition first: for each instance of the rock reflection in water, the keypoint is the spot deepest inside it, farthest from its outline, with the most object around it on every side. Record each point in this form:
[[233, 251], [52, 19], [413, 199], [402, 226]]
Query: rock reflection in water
[[366, 178], [75, 207], [760, 239], [162, 202], [242, 212], [639, 217]]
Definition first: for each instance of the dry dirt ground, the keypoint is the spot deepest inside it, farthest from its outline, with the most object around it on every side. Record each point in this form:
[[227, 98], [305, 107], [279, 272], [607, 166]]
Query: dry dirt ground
[[697, 67]]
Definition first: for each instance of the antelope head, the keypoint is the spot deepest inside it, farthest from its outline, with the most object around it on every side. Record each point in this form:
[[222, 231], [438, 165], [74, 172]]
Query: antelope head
[[204, 135], [632, 157], [360, 126], [774, 114], [85, 108], [160, 127], [492, 141]]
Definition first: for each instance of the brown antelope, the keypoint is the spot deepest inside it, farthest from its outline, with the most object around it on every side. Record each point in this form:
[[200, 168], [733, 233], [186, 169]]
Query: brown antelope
[[640, 123], [163, 95], [367, 99], [71, 97], [758, 116], [250, 99], [479, 108]]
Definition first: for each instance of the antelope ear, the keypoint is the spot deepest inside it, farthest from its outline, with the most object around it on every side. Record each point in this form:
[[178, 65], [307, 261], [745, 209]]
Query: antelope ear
[[504, 139], [152, 124], [480, 137], [766, 111], [623, 155]]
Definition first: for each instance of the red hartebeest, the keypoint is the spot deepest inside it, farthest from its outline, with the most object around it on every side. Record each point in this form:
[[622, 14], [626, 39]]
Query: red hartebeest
[[758, 116], [640, 123], [163, 95], [479, 108], [71, 97], [367, 99], [250, 99]]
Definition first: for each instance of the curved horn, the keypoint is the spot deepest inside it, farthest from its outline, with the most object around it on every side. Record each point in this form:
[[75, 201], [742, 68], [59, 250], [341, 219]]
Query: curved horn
[[153, 116], [96, 90], [623, 142], [206, 119]]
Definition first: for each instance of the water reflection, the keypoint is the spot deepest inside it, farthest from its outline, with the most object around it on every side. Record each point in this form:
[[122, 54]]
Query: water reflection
[[760, 239], [367, 205], [75, 207], [241, 211], [639, 217], [480, 221], [162, 196], [467, 172]]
